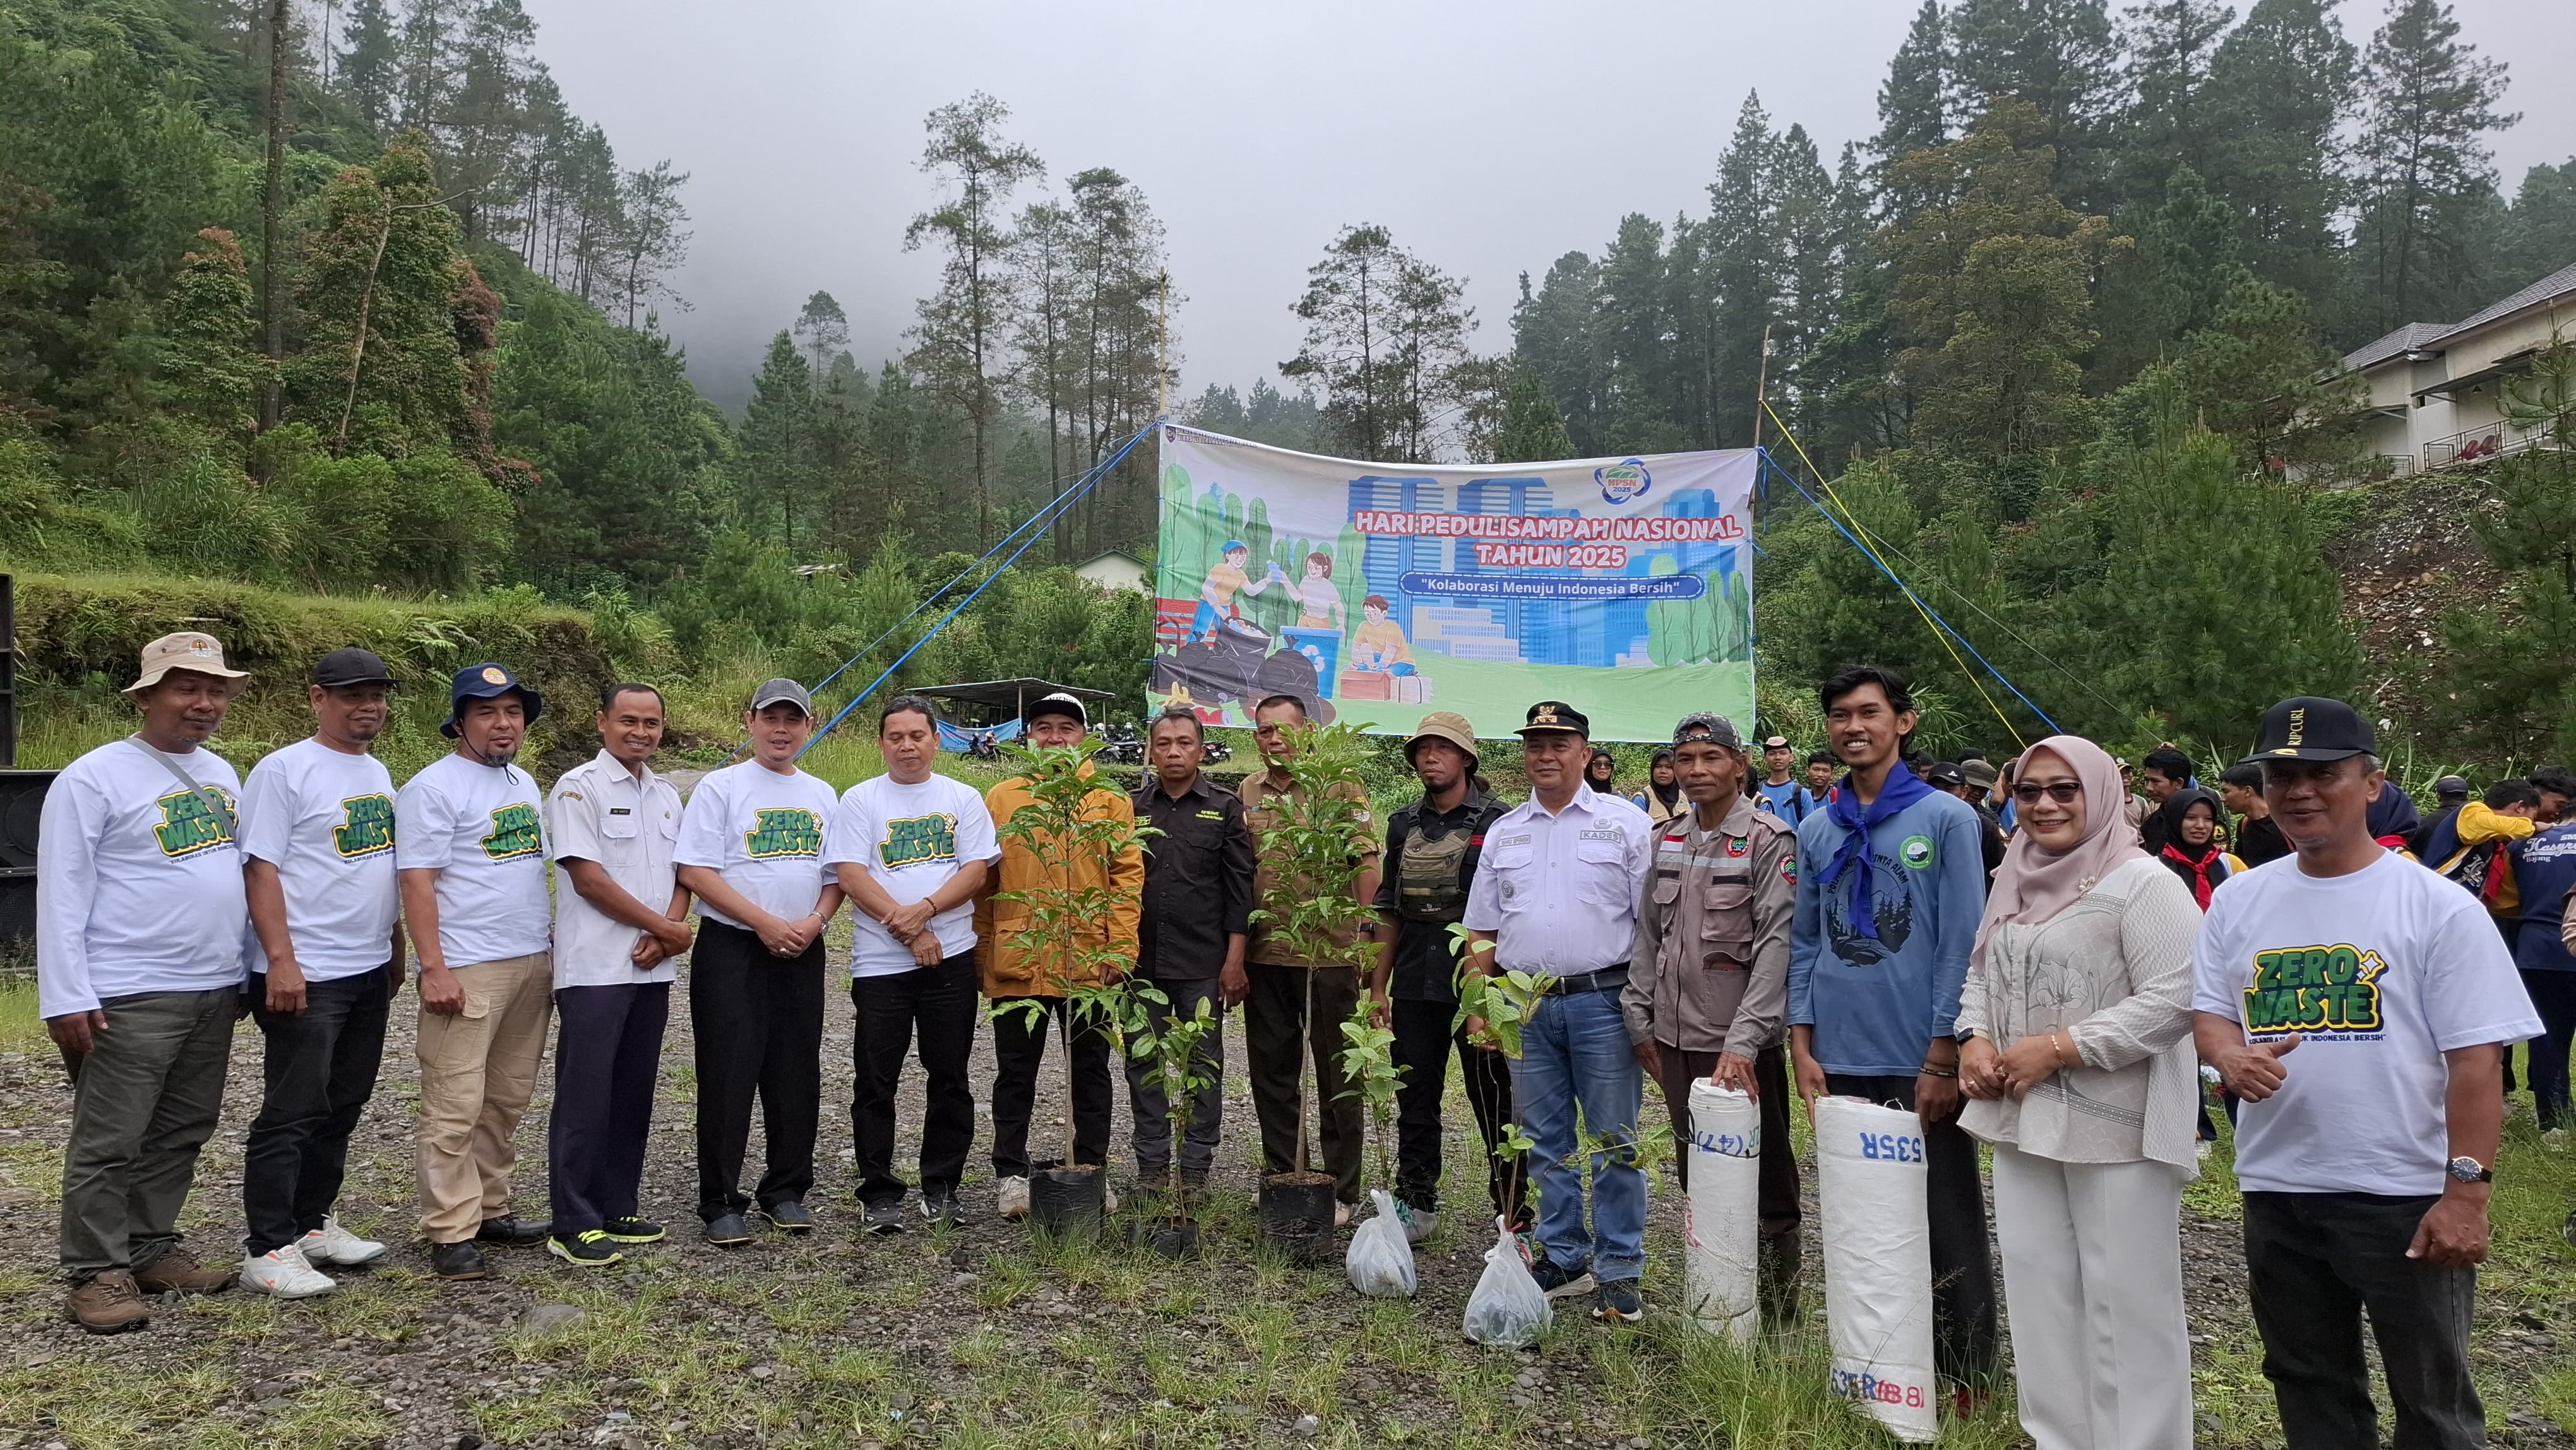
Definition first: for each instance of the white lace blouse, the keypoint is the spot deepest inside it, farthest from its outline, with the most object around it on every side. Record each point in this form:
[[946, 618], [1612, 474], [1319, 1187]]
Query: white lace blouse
[[2114, 969]]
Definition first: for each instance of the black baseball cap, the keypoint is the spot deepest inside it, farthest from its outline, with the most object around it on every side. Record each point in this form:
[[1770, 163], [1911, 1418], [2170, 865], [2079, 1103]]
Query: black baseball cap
[[351, 666], [2451, 787], [1058, 703], [1556, 716], [1944, 773], [2311, 727]]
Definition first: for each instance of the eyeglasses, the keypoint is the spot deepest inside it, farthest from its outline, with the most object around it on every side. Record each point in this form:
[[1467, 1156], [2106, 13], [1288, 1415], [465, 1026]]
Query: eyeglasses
[[2064, 792]]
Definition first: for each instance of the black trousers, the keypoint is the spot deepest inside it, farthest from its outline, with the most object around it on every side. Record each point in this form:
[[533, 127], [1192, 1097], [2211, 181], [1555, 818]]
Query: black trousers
[[758, 1020], [938, 1002], [2553, 996], [1151, 1108], [2315, 1262], [320, 1071], [1964, 1338], [1272, 1049], [1019, 1046], [1424, 1035], [608, 1055]]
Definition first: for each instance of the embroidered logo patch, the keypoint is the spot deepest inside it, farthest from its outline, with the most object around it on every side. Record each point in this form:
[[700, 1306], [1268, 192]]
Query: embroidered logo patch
[[1789, 869], [1738, 849], [1917, 853]]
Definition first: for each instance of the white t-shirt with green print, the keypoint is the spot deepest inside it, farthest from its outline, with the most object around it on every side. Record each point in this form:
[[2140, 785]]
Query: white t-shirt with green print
[[762, 831], [325, 819], [483, 828]]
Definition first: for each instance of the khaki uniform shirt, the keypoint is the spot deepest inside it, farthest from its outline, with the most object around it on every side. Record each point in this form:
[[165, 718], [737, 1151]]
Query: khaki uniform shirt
[[1270, 798], [1709, 970]]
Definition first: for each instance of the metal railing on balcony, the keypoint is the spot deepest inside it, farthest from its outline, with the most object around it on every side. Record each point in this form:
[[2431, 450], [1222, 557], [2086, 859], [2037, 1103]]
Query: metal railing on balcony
[[2494, 440]]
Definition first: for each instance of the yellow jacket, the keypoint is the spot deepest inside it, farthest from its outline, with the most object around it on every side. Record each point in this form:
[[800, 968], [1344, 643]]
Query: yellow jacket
[[1011, 969]]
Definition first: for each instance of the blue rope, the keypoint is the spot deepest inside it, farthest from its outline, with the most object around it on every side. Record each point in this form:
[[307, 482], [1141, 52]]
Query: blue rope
[[932, 597], [1929, 612], [1063, 500]]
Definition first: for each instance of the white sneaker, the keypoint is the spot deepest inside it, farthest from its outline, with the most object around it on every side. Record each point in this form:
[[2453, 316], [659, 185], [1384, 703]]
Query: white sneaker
[[2200, 1147], [1419, 1224], [1342, 1214], [284, 1273], [332, 1244], [2555, 1140], [1011, 1197], [1108, 1194]]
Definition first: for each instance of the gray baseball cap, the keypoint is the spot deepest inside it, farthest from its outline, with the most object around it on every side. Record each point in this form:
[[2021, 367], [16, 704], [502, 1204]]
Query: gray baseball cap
[[1702, 727], [782, 692]]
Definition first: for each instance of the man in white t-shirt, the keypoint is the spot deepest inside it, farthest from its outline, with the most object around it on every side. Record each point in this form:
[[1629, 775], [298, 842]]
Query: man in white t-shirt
[[139, 924], [2365, 1158], [326, 960], [470, 852], [751, 849], [911, 848], [620, 924]]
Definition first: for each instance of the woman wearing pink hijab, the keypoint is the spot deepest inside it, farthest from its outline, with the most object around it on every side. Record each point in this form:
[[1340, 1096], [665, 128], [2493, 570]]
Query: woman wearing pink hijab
[[2075, 1050]]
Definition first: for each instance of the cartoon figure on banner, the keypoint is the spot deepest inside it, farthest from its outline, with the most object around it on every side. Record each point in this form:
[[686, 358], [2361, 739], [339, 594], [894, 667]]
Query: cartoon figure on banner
[[1225, 580], [1382, 666]]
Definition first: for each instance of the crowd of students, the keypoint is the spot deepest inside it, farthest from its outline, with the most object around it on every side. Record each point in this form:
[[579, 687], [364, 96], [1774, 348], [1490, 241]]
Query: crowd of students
[[2030, 957]]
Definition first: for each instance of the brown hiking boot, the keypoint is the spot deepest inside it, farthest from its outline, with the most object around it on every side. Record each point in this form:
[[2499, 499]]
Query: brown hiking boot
[[178, 1269], [107, 1304]]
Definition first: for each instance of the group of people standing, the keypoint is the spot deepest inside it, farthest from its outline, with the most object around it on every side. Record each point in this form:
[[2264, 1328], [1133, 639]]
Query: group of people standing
[[1837, 936]]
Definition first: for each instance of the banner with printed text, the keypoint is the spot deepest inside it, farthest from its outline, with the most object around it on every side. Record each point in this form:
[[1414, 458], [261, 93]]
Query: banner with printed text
[[1381, 592]]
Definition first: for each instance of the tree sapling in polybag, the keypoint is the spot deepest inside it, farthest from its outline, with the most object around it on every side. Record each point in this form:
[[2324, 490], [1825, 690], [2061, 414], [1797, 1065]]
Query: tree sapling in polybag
[[1507, 1307]]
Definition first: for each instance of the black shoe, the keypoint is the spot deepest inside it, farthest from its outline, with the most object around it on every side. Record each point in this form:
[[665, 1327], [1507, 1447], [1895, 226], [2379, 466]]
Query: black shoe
[[632, 1230], [1193, 1180], [589, 1248], [458, 1261], [511, 1231], [789, 1216], [728, 1229], [1557, 1281], [1619, 1303], [942, 1208], [875, 1218]]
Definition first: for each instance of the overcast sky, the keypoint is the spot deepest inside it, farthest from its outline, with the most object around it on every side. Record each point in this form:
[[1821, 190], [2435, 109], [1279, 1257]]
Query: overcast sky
[[1490, 136]]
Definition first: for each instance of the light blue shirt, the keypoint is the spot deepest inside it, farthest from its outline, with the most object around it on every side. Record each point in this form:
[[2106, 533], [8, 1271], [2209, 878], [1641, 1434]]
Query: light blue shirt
[[1877, 1002], [1559, 890]]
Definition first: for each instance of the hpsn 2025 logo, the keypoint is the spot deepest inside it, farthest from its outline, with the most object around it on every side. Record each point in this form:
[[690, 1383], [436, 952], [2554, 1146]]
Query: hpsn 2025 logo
[[1623, 481]]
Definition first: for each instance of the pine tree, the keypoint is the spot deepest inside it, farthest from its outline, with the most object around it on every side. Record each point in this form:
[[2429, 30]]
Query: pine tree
[[2426, 174], [2172, 46], [2185, 260], [368, 68], [776, 446], [1914, 101], [1553, 336], [1386, 340], [1744, 271], [959, 339], [2282, 87], [2059, 57], [208, 370], [2544, 219], [822, 330]]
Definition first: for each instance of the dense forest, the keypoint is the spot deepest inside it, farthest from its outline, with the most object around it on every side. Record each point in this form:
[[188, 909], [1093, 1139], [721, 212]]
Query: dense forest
[[342, 298]]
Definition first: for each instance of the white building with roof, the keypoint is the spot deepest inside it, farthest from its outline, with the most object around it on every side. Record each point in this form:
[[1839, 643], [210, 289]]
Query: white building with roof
[[2436, 388]]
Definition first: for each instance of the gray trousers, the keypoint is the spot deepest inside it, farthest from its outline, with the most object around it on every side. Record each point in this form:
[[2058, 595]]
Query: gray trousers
[[1152, 1110], [145, 1099]]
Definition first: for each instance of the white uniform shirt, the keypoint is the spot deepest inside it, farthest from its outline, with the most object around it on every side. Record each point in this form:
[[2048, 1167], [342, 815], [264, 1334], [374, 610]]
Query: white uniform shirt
[[483, 828], [138, 884], [325, 819], [762, 831], [599, 812], [1560, 891], [911, 838], [2378, 973]]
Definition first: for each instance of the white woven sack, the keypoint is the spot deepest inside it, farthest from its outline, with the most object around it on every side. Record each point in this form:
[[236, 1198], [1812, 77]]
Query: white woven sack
[[1720, 1218], [1878, 1262]]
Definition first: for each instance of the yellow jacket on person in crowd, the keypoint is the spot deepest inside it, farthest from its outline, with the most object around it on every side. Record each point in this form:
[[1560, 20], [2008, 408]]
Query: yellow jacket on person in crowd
[[1010, 967]]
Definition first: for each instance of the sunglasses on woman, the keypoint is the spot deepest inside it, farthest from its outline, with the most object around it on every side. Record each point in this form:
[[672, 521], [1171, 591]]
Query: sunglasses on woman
[[2064, 792]]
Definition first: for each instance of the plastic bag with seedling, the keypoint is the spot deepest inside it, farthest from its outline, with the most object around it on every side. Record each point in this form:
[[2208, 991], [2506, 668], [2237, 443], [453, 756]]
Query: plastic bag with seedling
[[1071, 832], [1380, 1260]]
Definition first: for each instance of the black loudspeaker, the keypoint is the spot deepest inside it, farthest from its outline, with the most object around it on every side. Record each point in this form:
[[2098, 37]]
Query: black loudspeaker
[[8, 673], [22, 804]]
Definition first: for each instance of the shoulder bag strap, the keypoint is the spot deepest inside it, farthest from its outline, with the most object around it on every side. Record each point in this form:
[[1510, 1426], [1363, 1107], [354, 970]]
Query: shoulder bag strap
[[213, 798]]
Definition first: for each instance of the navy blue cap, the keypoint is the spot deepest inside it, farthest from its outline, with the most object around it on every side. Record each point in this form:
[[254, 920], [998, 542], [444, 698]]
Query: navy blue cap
[[485, 682]]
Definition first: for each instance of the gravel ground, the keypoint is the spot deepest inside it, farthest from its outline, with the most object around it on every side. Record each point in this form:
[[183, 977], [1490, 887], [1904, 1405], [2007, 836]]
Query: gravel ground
[[967, 1337]]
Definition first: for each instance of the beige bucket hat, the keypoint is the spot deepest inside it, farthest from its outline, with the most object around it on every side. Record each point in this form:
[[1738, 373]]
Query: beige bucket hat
[[186, 650]]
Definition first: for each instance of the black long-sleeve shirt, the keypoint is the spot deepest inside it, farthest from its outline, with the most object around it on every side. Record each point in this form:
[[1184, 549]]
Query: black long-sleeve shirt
[[1198, 879]]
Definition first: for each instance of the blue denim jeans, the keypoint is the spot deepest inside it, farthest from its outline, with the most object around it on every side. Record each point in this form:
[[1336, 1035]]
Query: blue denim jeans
[[1575, 1052]]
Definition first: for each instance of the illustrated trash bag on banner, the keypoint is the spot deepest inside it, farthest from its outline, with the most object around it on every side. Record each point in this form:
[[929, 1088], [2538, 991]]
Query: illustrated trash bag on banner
[[1507, 1308], [1870, 1180], [1380, 1261], [1721, 1225]]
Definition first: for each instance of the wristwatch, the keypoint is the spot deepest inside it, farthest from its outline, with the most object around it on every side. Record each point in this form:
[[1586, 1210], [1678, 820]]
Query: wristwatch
[[2470, 1170]]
